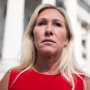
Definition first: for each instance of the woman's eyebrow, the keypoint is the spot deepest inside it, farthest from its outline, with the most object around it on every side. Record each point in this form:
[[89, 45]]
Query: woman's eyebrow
[[45, 19], [58, 20], [41, 19]]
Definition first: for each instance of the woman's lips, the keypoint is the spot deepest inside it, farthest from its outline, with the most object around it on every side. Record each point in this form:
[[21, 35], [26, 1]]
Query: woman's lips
[[48, 40]]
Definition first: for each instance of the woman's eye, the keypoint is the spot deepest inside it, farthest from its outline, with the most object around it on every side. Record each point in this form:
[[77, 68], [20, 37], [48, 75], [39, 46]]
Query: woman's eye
[[57, 24], [42, 23]]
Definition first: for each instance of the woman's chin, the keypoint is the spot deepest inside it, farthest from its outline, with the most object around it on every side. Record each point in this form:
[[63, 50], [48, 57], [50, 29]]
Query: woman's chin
[[48, 52]]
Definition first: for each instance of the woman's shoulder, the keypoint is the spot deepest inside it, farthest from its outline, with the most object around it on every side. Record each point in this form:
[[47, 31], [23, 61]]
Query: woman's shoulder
[[11, 74], [87, 82], [4, 82], [14, 73], [12, 77]]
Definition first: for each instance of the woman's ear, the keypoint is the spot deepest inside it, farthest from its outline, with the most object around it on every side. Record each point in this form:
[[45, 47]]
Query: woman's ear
[[66, 42]]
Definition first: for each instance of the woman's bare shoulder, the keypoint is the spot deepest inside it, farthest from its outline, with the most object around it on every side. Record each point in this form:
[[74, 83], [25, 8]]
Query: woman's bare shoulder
[[87, 82], [4, 82]]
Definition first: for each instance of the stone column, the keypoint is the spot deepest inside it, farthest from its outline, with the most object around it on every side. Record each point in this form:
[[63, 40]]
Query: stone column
[[53, 2], [88, 52], [71, 8], [2, 22], [13, 34]]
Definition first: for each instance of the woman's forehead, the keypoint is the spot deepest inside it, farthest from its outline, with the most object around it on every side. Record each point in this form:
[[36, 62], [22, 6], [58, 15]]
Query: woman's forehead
[[51, 14]]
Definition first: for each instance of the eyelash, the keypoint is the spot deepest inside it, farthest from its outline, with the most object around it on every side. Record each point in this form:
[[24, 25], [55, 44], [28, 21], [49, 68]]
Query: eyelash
[[55, 24], [42, 23]]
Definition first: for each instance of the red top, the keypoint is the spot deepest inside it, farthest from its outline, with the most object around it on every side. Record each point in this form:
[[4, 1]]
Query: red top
[[32, 80]]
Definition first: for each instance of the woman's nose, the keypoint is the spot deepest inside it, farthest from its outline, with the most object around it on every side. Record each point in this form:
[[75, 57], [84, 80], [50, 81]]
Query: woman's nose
[[49, 30]]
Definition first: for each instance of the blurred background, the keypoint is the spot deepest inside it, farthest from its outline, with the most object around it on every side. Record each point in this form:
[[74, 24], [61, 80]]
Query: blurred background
[[14, 18]]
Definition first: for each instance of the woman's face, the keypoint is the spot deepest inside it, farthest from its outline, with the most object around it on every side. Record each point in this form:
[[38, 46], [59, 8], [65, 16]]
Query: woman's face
[[50, 32]]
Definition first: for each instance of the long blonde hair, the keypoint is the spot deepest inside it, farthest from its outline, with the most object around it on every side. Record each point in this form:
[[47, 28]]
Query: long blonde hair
[[67, 65]]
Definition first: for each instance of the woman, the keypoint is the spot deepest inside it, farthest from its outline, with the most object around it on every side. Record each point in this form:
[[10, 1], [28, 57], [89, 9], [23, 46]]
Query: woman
[[47, 54]]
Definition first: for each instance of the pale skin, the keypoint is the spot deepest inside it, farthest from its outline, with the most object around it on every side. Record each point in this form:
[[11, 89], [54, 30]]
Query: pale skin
[[50, 37]]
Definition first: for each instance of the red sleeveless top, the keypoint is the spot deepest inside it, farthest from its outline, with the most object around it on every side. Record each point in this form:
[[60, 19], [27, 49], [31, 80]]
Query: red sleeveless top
[[32, 80]]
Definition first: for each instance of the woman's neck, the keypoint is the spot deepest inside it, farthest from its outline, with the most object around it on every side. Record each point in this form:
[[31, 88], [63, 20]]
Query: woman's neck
[[47, 65]]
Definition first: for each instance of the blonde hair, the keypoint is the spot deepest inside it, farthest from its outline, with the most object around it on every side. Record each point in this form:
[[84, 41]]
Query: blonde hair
[[67, 65]]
